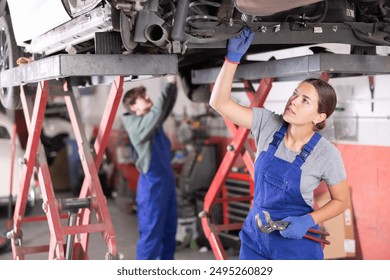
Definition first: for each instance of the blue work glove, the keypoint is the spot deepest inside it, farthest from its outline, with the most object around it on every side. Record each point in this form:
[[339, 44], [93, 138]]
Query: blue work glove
[[238, 46], [298, 226]]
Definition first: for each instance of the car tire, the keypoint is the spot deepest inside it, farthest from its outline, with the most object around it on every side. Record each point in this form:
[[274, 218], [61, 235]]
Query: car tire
[[9, 52]]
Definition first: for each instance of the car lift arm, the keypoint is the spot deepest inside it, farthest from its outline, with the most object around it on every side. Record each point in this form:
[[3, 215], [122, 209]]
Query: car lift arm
[[299, 68], [61, 66]]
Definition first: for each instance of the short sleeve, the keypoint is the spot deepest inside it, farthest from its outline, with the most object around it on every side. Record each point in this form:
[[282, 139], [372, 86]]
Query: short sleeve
[[334, 171], [264, 125], [260, 118]]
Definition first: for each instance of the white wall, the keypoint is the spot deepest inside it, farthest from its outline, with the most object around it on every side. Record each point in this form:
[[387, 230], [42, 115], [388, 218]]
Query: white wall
[[373, 128]]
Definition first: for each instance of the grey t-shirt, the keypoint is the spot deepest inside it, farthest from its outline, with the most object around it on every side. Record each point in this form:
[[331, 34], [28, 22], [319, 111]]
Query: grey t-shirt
[[324, 162]]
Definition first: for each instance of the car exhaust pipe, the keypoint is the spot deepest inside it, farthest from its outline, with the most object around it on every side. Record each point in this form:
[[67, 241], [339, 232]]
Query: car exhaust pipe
[[157, 35]]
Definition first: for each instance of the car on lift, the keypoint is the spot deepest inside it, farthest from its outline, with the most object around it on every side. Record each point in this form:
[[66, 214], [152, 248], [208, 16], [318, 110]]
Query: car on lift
[[195, 30]]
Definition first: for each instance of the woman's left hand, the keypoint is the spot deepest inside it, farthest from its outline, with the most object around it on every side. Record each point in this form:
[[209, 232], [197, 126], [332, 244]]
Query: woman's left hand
[[298, 226]]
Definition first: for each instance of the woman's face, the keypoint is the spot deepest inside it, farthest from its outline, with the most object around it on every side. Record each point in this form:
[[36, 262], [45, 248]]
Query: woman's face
[[302, 107], [142, 105]]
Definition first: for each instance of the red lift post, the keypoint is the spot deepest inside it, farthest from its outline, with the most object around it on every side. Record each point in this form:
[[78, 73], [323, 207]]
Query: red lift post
[[79, 210], [239, 146]]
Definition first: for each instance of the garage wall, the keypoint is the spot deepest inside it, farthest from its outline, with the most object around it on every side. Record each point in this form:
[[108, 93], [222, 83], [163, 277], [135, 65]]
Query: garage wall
[[368, 172]]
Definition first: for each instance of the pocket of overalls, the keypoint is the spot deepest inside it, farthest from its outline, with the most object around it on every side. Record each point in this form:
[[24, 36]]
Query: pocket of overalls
[[273, 190]]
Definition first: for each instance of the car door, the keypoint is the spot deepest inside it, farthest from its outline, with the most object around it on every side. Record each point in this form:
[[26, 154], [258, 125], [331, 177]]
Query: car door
[[34, 17]]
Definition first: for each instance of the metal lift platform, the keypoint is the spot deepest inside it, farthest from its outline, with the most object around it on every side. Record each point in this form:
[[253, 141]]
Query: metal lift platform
[[323, 66], [69, 240], [299, 68]]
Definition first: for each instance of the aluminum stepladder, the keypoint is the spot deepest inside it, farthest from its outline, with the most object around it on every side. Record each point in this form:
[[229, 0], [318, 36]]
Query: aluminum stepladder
[[69, 241], [239, 146]]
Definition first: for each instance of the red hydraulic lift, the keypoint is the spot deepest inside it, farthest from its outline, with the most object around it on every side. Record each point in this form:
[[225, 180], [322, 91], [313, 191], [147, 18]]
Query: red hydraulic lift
[[78, 211], [69, 239]]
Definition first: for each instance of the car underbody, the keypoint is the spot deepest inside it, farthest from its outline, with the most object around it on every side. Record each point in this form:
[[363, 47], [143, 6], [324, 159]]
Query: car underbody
[[196, 30]]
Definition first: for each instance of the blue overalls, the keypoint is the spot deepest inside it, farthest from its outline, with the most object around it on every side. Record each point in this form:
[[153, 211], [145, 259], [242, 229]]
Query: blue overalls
[[156, 204], [277, 190]]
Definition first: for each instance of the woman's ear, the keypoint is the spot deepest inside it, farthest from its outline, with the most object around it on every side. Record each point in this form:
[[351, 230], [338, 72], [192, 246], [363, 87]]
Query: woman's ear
[[320, 118]]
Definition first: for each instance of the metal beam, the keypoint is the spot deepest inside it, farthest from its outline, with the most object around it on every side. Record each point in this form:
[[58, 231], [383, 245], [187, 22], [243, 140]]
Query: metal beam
[[60, 66], [303, 66]]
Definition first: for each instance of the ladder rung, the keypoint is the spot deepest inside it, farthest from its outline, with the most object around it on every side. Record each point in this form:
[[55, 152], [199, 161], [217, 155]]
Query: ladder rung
[[237, 189], [237, 211], [230, 236], [240, 204], [236, 218]]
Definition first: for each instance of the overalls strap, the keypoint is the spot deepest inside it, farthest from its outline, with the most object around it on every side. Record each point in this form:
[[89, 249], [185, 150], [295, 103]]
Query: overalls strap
[[307, 149], [278, 137]]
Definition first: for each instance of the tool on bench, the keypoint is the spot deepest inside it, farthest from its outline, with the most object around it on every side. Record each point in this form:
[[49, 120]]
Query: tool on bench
[[282, 225]]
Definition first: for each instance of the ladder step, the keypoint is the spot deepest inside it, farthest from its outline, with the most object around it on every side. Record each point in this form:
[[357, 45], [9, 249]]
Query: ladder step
[[237, 211], [236, 218], [233, 237], [236, 190], [244, 205]]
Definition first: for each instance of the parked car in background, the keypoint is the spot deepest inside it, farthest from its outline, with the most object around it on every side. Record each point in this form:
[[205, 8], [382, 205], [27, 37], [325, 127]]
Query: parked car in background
[[195, 30], [7, 160], [56, 131]]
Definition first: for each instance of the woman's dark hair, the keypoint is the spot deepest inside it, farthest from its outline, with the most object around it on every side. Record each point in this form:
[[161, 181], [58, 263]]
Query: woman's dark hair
[[327, 99], [131, 96]]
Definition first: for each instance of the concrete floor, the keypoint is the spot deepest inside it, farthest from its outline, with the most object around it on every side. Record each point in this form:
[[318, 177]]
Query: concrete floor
[[126, 232]]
